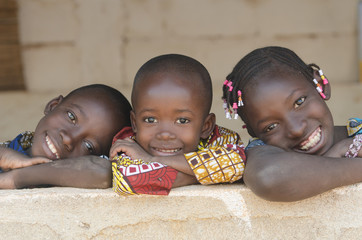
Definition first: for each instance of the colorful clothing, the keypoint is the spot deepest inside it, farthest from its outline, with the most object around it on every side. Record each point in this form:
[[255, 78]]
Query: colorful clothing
[[219, 159], [354, 127], [21, 143]]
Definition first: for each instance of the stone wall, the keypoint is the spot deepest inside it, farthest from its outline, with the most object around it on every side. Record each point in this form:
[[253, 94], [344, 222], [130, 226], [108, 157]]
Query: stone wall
[[193, 212]]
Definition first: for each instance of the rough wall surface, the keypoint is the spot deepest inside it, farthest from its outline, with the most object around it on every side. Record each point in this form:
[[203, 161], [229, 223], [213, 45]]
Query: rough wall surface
[[194, 212], [67, 43]]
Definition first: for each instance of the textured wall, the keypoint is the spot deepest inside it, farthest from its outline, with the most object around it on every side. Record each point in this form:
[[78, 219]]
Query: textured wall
[[67, 43]]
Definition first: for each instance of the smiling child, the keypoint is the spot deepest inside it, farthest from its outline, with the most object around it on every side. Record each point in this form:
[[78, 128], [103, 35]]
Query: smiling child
[[81, 124], [298, 152], [176, 141]]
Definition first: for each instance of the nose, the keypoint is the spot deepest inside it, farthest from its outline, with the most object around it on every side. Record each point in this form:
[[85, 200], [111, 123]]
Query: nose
[[296, 126], [68, 139], [165, 134]]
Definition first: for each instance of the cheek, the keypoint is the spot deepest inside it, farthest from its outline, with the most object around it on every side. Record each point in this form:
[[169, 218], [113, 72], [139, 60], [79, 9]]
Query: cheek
[[190, 138]]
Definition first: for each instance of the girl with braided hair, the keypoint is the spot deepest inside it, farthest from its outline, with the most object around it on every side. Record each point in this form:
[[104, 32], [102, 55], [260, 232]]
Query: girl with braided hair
[[297, 151]]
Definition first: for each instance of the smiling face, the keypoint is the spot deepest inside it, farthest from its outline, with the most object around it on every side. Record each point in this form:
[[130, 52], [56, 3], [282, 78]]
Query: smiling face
[[169, 117], [81, 124], [286, 111]]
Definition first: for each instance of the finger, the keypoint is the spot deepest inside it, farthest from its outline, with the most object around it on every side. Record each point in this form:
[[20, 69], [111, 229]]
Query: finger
[[39, 160]]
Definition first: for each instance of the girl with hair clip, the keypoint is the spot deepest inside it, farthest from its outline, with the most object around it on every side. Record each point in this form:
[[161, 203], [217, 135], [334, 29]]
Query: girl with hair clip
[[296, 151]]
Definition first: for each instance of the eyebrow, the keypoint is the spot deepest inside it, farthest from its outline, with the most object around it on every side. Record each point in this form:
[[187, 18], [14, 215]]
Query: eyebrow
[[80, 109], [177, 110]]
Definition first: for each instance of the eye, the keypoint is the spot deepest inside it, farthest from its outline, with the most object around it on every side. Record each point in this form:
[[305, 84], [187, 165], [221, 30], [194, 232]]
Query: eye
[[299, 102], [150, 120], [271, 127], [89, 146], [182, 121], [72, 117]]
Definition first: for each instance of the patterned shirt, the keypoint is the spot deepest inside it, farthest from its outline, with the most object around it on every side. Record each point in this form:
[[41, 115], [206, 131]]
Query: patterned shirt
[[219, 159]]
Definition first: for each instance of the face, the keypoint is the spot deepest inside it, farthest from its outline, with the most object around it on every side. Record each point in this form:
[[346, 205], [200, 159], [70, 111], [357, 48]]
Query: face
[[75, 126], [168, 118], [287, 111]]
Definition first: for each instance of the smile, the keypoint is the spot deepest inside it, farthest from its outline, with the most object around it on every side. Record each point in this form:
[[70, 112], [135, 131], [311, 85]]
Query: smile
[[312, 140], [52, 147], [168, 150]]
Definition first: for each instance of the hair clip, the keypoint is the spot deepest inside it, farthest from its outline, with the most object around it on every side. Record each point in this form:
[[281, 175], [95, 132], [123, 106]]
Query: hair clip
[[319, 88], [230, 86], [325, 80], [235, 107], [226, 82], [240, 101]]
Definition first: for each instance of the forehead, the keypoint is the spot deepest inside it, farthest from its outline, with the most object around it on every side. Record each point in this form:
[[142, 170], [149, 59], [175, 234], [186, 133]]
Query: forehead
[[272, 93], [168, 85]]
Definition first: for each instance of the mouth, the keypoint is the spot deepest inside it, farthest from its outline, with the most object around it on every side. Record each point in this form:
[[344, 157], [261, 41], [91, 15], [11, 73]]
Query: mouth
[[51, 147], [168, 151], [312, 140]]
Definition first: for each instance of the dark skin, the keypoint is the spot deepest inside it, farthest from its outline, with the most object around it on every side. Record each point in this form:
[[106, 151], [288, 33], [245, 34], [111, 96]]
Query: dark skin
[[305, 152], [169, 121], [67, 132]]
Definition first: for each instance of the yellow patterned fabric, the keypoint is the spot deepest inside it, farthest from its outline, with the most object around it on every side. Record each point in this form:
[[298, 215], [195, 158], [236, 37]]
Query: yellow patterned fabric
[[221, 159]]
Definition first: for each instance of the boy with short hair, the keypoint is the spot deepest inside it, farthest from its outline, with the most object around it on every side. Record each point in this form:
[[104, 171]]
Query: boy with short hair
[[176, 141], [81, 124]]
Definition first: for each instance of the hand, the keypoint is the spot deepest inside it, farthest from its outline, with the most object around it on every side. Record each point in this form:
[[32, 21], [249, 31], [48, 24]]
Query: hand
[[10, 159], [339, 149], [130, 148]]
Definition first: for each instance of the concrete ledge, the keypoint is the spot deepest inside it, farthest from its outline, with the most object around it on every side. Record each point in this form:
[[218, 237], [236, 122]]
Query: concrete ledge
[[194, 212]]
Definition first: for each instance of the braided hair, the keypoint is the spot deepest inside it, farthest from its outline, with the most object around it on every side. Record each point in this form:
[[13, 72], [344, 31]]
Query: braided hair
[[258, 63]]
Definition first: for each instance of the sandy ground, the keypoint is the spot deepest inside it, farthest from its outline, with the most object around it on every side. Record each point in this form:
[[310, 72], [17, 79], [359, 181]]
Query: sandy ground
[[21, 111]]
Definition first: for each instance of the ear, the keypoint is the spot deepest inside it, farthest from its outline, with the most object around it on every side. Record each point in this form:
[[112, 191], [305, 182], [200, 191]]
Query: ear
[[52, 104], [133, 121], [326, 88], [208, 126]]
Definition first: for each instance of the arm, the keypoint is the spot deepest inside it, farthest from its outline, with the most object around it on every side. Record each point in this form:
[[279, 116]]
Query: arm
[[135, 151], [276, 175], [11, 159], [82, 172]]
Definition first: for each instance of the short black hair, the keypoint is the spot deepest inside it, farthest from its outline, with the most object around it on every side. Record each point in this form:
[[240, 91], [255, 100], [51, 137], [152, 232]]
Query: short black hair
[[180, 64], [122, 107]]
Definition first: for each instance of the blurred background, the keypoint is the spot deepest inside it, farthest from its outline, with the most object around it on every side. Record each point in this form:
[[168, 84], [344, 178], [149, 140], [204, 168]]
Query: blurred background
[[48, 47]]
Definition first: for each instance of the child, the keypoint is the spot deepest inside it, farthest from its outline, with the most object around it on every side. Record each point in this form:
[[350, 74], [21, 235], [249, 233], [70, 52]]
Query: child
[[299, 152], [82, 123], [171, 119]]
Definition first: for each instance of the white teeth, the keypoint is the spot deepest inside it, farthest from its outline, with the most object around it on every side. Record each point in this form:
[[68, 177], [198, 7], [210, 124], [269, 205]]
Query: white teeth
[[168, 150], [52, 147], [313, 139]]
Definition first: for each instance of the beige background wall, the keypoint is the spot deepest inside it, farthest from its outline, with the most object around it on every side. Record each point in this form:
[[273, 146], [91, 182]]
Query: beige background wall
[[67, 43]]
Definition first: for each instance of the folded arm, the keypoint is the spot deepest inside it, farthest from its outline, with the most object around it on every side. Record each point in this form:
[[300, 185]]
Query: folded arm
[[276, 175], [81, 172]]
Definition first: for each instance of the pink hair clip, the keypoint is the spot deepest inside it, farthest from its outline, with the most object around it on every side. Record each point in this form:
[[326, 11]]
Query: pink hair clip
[[230, 86]]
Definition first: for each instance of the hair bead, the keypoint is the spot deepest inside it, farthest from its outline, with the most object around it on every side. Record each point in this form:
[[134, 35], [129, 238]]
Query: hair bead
[[325, 80], [319, 88], [235, 107], [240, 100]]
